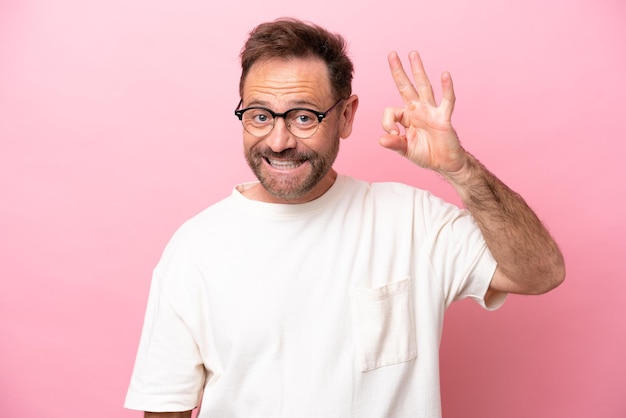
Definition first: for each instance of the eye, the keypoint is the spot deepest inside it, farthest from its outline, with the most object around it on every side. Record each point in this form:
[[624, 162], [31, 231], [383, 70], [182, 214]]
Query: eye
[[258, 117], [303, 119]]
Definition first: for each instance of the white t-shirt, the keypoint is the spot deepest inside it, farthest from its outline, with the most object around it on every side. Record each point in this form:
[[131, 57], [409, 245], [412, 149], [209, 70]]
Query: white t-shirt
[[333, 308]]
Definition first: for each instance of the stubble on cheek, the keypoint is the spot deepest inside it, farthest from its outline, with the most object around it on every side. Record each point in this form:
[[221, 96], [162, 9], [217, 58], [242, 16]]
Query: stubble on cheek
[[287, 186]]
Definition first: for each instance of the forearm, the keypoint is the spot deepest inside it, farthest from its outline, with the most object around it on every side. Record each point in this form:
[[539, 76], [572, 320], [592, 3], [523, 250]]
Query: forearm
[[526, 253]]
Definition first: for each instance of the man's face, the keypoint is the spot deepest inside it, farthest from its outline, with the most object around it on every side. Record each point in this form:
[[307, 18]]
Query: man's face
[[290, 169]]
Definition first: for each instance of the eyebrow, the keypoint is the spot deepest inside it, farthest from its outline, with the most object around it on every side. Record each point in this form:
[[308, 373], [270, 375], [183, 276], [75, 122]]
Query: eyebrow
[[298, 103]]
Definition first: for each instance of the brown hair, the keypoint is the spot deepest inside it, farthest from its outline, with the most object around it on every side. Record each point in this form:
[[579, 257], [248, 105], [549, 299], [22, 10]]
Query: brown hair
[[293, 38]]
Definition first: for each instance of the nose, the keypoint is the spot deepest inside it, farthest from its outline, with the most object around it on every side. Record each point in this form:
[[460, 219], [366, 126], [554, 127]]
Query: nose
[[280, 139]]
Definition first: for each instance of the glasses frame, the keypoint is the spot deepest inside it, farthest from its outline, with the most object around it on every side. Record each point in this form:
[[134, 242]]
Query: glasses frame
[[320, 117]]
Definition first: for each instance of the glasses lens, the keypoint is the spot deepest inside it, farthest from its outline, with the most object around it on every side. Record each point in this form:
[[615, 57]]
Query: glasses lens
[[302, 123], [258, 122]]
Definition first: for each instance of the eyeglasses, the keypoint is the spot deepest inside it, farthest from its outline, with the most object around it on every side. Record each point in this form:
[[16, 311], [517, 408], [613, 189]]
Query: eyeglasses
[[301, 122]]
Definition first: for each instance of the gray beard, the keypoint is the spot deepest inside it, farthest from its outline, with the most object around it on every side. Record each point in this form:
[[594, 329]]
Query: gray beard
[[292, 189]]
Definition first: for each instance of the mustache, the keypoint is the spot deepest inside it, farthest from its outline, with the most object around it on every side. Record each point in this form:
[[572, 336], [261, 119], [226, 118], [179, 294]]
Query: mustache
[[287, 154]]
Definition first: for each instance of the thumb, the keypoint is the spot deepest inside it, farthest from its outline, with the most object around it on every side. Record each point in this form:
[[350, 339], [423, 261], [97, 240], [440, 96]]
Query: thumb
[[393, 142]]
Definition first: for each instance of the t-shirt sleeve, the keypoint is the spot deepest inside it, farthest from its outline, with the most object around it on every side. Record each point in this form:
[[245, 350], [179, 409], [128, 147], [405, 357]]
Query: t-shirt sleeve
[[458, 253], [169, 372]]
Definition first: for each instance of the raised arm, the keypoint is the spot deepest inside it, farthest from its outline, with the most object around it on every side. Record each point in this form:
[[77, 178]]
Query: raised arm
[[529, 260]]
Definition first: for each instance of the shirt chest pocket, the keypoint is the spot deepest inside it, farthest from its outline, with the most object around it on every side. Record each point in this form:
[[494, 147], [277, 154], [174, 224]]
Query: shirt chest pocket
[[384, 321]]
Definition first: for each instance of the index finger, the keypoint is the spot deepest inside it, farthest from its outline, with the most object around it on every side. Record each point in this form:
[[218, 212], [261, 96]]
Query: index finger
[[403, 83]]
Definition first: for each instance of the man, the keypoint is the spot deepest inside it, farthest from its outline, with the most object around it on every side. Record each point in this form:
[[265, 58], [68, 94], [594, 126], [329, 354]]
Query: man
[[311, 294]]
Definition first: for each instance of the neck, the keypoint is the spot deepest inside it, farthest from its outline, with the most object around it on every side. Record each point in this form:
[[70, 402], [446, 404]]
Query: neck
[[259, 193]]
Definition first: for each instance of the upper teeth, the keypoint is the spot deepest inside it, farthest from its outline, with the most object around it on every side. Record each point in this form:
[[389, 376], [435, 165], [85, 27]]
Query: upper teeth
[[284, 164]]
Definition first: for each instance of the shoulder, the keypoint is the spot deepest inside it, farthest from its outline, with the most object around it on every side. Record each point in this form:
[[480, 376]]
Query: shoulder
[[378, 188], [398, 200], [394, 193], [209, 222]]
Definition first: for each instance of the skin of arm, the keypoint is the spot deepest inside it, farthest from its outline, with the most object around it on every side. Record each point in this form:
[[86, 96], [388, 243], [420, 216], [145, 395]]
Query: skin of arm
[[529, 260], [186, 414]]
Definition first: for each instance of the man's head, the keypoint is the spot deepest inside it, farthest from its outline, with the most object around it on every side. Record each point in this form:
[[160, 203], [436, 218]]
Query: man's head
[[291, 38], [295, 106]]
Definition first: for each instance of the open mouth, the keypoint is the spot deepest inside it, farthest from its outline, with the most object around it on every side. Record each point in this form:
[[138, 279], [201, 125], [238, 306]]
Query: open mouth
[[284, 164]]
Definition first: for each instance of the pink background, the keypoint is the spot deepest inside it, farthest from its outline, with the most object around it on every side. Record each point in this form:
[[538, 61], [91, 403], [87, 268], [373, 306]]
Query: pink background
[[116, 125]]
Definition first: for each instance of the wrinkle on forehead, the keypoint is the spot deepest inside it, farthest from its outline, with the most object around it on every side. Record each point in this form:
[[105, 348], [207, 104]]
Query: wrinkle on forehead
[[288, 81]]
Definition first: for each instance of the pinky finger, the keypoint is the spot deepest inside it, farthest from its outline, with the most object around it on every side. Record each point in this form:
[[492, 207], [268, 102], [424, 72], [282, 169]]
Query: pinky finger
[[448, 97]]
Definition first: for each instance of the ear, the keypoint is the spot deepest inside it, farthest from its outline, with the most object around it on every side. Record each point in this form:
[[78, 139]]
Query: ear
[[347, 116]]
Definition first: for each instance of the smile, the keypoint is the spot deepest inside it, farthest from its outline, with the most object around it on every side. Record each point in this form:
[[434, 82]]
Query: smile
[[284, 164]]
